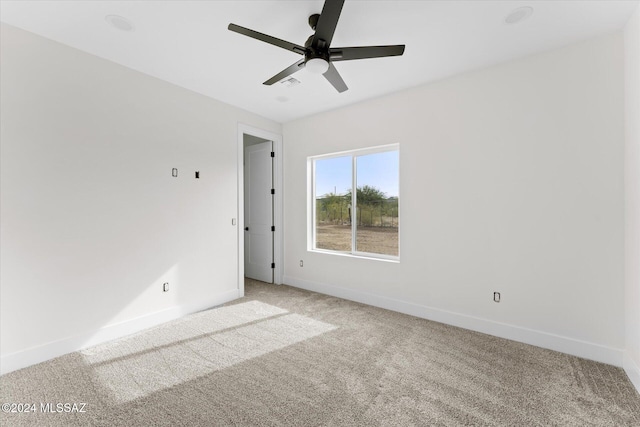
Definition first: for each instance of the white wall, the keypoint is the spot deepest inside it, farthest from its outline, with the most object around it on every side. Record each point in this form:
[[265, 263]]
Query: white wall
[[511, 180], [632, 198], [92, 222]]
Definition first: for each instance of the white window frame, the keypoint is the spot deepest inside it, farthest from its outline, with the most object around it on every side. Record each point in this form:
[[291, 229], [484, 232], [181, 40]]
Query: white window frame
[[311, 192]]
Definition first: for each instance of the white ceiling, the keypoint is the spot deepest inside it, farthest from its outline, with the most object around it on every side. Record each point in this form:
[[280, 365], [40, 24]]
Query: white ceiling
[[187, 42]]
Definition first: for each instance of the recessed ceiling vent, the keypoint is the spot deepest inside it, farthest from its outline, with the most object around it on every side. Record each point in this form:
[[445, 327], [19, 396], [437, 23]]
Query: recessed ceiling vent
[[290, 82]]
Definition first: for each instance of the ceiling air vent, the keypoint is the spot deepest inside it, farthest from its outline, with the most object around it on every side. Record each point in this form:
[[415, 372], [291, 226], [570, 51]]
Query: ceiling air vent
[[290, 82]]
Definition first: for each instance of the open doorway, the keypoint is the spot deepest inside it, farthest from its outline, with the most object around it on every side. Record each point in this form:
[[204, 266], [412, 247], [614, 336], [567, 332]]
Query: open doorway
[[259, 226], [259, 206]]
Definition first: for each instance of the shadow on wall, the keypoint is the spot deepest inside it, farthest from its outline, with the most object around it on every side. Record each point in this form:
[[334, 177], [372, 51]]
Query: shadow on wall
[[88, 244], [93, 222]]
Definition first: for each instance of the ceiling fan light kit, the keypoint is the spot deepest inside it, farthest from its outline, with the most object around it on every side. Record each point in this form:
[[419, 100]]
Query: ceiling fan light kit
[[316, 65], [317, 51]]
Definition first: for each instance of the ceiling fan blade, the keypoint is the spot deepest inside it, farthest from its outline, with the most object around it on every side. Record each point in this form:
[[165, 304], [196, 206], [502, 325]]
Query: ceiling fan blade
[[327, 22], [267, 39], [335, 79], [286, 72], [362, 52]]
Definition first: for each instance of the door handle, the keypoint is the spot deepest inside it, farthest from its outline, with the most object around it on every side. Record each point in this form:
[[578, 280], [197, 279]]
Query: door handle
[[246, 229]]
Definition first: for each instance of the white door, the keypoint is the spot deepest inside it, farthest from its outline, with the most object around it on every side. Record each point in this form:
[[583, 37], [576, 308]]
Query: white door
[[258, 212]]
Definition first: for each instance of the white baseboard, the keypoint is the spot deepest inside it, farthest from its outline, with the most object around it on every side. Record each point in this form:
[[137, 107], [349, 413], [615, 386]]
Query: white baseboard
[[632, 369], [586, 350], [31, 356]]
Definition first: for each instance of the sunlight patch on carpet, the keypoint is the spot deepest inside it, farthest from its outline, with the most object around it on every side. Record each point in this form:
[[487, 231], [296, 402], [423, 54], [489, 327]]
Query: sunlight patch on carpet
[[194, 346]]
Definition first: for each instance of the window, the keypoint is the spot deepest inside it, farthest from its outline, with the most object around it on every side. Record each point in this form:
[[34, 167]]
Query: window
[[364, 225]]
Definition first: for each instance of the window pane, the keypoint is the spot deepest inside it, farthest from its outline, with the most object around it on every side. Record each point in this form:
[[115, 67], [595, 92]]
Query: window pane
[[333, 181], [377, 203]]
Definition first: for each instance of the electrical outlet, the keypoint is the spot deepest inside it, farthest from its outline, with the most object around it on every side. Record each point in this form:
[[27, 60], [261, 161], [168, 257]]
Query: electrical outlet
[[301, 263], [496, 296], [165, 287]]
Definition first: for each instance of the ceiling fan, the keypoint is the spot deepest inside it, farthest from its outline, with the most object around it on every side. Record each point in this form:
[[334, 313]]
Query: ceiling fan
[[317, 51]]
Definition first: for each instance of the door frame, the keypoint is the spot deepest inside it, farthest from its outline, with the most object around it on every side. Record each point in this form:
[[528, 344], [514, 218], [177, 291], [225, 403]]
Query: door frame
[[278, 252]]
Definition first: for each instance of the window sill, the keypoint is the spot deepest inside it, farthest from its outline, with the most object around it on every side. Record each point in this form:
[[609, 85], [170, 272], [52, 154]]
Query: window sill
[[383, 258]]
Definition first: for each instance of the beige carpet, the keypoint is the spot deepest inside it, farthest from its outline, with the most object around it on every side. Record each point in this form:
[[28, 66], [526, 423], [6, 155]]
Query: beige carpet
[[284, 356]]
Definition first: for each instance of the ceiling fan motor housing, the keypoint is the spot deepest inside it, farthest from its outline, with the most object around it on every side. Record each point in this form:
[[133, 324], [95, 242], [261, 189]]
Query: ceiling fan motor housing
[[320, 50]]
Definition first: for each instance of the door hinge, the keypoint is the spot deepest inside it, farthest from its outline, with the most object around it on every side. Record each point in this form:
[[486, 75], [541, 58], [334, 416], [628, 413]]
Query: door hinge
[[273, 191], [273, 265], [273, 154], [273, 228]]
